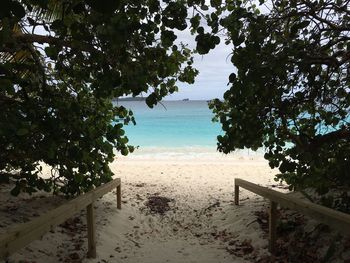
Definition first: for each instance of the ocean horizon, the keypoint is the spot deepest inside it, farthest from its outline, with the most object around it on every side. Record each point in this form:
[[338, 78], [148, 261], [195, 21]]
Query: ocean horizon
[[175, 129], [172, 124]]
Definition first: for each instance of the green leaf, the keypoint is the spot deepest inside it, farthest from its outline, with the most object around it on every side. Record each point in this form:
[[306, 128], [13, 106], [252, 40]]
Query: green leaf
[[215, 3], [17, 9], [204, 7], [168, 37], [124, 151], [52, 52], [232, 77], [22, 132], [105, 7]]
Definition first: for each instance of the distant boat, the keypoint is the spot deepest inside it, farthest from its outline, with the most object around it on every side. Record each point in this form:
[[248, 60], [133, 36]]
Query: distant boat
[[129, 99], [185, 99]]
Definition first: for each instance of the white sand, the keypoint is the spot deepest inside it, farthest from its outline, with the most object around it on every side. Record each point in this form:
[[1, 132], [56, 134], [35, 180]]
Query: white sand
[[202, 224]]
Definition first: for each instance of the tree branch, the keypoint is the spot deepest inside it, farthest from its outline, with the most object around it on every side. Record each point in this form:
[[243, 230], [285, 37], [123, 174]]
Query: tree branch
[[34, 38], [342, 134]]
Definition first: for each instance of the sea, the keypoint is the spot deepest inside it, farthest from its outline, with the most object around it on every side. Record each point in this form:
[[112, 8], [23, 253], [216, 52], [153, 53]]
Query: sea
[[173, 128], [172, 124]]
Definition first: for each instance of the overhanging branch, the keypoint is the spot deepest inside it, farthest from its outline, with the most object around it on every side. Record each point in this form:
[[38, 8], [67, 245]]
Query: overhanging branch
[[34, 38], [342, 134]]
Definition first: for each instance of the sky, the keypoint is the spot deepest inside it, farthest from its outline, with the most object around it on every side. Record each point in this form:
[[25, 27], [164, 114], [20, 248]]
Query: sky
[[214, 70]]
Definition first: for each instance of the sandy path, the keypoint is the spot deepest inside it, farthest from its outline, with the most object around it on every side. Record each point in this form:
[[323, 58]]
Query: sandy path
[[202, 222], [202, 226]]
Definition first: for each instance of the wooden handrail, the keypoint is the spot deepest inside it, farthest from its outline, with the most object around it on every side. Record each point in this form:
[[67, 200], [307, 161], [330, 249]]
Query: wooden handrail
[[328, 216], [21, 235]]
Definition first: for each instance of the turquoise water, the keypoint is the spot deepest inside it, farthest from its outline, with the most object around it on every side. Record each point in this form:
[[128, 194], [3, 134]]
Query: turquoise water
[[176, 124]]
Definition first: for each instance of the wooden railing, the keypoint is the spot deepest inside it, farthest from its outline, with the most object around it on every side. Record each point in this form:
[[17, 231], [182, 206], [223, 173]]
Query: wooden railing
[[333, 218], [20, 236]]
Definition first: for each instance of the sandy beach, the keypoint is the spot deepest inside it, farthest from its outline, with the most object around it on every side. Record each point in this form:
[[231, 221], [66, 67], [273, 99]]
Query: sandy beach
[[201, 220], [197, 222]]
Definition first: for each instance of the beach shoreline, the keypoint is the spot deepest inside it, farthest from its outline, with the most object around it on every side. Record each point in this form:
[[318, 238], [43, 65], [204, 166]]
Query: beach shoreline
[[190, 153]]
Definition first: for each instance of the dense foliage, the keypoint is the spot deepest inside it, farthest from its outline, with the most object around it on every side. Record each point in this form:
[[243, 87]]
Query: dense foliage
[[290, 93], [62, 63]]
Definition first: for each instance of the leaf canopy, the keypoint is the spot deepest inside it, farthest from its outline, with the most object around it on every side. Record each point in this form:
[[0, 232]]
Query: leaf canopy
[[61, 65], [290, 93]]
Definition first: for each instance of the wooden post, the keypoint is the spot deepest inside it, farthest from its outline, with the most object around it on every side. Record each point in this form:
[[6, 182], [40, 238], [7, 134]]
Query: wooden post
[[90, 216], [119, 197], [19, 236], [272, 226], [236, 194]]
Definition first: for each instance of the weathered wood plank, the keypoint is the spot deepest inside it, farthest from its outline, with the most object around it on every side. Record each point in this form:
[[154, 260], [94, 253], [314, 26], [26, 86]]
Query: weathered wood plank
[[21, 235], [333, 218], [272, 226], [119, 197], [236, 194], [90, 220]]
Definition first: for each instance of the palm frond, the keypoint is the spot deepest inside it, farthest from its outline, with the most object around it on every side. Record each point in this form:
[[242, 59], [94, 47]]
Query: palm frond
[[55, 10]]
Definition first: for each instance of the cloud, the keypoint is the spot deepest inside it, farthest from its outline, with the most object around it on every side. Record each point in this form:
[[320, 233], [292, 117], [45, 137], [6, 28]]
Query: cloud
[[214, 70]]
